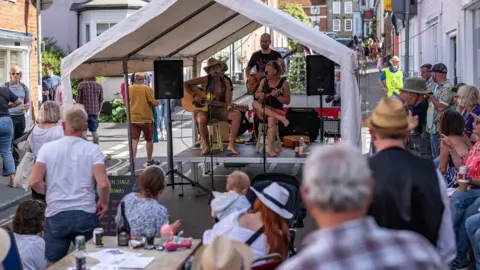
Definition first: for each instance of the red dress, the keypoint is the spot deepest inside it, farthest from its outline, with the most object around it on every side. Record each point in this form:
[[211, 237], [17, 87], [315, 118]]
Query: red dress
[[472, 161]]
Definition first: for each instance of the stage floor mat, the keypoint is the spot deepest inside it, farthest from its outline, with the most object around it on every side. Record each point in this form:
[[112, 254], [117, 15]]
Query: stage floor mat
[[248, 154]]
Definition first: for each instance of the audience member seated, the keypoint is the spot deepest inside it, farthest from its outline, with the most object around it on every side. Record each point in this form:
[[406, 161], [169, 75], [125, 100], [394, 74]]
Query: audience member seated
[[337, 189], [264, 229], [472, 224], [465, 203], [451, 127], [144, 213], [469, 102], [221, 254], [234, 200], [46, 130], [27, 226]]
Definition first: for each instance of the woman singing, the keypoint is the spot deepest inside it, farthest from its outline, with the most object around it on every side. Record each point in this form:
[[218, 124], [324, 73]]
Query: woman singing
[[274, 91]]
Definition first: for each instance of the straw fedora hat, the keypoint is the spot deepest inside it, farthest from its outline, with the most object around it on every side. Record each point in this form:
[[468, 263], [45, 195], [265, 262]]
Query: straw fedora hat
[[275, 197], [389, 118], [213, 62], [4, 244], [416, 85], [223, 254]]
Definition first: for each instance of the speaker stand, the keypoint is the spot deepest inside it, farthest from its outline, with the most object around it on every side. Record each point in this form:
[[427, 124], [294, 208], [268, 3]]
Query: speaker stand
[[321, 118], [171, 170]]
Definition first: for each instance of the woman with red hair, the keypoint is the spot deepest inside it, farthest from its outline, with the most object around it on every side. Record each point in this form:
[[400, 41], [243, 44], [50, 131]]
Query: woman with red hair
[[264, 228]]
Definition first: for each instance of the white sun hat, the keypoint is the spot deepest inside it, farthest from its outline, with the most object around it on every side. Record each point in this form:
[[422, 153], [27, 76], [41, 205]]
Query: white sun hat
[[4, 244], [275, 197]]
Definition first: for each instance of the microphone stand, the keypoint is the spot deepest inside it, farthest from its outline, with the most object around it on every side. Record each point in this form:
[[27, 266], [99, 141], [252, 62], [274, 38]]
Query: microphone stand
[[210, 135], [265, 130]]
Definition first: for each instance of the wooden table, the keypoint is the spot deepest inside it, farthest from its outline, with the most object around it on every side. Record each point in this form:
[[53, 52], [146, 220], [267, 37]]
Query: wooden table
[[163, 259]]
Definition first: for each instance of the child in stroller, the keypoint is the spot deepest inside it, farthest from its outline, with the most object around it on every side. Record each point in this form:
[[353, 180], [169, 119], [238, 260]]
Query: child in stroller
[[294, 204]]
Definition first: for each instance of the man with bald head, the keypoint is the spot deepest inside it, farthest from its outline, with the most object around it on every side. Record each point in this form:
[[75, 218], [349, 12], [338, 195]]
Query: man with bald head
[[67, 171]]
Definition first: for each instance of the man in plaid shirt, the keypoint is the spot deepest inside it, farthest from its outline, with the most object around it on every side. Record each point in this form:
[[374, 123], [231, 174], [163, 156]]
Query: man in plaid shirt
[[90, 95], [337, 188]]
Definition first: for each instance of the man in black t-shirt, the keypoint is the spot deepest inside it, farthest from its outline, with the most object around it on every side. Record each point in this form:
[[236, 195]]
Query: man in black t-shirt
[[259, 60]]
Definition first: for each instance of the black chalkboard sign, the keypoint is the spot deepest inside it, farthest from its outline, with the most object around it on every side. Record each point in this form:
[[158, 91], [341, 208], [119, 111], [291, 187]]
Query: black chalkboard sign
[[120, 186]]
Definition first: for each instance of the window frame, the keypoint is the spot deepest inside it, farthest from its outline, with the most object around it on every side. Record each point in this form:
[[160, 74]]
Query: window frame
[[336, 8], [351, 25], [103, 22], [339, 25], [350, 4]]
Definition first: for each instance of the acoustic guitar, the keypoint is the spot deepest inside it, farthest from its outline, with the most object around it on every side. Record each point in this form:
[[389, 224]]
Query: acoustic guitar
[[253, 81], [189, 104]]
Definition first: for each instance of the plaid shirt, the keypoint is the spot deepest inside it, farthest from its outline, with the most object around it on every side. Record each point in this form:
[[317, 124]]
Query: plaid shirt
[[362, 245], [90, 95]]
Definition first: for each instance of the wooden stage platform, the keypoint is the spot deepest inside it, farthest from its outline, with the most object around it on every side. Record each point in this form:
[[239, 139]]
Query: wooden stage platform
[[248, 154]]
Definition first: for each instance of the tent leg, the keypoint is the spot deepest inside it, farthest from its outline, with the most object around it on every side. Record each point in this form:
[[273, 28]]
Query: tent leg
[[194, 125], [127, 105]]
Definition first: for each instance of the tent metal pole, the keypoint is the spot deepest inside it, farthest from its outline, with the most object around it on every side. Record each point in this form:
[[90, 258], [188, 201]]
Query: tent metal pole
[[127, 105], [194, 125]]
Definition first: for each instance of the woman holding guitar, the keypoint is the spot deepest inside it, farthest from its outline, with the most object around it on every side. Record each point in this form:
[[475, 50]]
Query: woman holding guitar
[[273, 92]]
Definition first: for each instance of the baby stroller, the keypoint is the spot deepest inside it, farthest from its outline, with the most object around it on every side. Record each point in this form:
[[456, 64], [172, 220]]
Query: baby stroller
[[294, 204]]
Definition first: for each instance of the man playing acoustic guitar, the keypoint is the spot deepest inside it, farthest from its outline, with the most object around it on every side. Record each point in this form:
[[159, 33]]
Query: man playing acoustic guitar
[[221, 90]]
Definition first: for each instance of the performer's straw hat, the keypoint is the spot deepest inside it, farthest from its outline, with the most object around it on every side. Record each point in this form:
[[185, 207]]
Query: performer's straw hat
[[390, 119], [213, 62]]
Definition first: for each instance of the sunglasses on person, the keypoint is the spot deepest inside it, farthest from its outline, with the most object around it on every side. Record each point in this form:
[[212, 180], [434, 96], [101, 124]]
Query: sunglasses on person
[[16, 74]]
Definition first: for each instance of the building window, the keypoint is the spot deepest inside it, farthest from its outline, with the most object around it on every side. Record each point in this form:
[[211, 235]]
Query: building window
[[336, 25], [348, 7], [87, 33], [315, 10], [10, 58], [102, 27], [348, 25], [336, 7], [432, 35]]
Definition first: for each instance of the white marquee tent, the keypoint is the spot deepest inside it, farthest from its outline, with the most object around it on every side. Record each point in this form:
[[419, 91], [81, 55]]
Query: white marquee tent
[[194, 30]]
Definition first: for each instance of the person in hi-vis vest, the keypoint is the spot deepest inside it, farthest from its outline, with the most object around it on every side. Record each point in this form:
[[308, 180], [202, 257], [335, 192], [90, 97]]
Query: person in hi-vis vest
[[392, 77]]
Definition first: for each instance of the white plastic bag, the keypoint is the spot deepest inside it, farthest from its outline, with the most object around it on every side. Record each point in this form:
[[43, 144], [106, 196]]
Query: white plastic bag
[[24, 169]]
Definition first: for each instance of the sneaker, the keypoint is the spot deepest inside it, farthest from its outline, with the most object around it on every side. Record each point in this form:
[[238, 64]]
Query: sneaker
[[161, 137], [252, 140], [457, 266], [153, 162]]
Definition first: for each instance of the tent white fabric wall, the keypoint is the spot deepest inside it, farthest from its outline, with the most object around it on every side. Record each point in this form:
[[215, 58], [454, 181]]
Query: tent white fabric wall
[[193, 30]]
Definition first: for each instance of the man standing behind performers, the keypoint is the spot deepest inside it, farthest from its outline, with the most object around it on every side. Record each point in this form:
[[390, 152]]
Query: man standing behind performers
[[258, 61], [221, 90]]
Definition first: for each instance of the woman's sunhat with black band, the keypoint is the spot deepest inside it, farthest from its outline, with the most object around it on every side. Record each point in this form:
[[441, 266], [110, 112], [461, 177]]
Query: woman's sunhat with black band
[[275, 197]]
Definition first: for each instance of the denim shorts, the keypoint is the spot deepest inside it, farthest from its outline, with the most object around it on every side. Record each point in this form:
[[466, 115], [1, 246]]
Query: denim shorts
[[93, 123], [61, 230]]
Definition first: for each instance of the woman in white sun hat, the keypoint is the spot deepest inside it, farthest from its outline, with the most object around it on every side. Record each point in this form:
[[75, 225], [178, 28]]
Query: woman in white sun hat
[[4, 245], [264, 228]]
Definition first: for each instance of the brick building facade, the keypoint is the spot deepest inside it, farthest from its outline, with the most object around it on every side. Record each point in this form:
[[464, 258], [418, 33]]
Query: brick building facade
[[341, 17], [18, 43], [316, 10]]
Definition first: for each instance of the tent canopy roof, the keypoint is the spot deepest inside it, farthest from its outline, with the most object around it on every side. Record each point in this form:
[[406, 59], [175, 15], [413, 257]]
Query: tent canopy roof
[[186, 29]]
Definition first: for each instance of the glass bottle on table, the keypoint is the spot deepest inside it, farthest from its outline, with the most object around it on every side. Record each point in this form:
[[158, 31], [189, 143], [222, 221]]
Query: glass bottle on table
[[123, 228], [80, 253]]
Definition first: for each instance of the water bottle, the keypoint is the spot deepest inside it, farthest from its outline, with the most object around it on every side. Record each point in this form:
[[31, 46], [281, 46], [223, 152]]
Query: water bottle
[[260, 143]]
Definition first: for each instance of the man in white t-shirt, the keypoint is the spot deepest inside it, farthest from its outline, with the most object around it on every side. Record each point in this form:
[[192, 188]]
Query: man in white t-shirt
[[70, 166]]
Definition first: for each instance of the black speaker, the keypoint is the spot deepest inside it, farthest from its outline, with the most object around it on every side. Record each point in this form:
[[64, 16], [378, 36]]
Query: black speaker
[[320, 75], [303, 121], [168, 79]]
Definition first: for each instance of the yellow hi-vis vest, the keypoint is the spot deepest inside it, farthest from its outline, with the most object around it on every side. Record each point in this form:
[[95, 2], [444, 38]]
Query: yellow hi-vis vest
[[394, 81]]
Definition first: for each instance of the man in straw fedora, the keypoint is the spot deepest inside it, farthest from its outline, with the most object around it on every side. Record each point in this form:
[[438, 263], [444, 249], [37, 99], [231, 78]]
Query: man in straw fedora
[[223, 254], [392, 77], [415, 95], [221, 90], [409, 193], [337, 188]]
